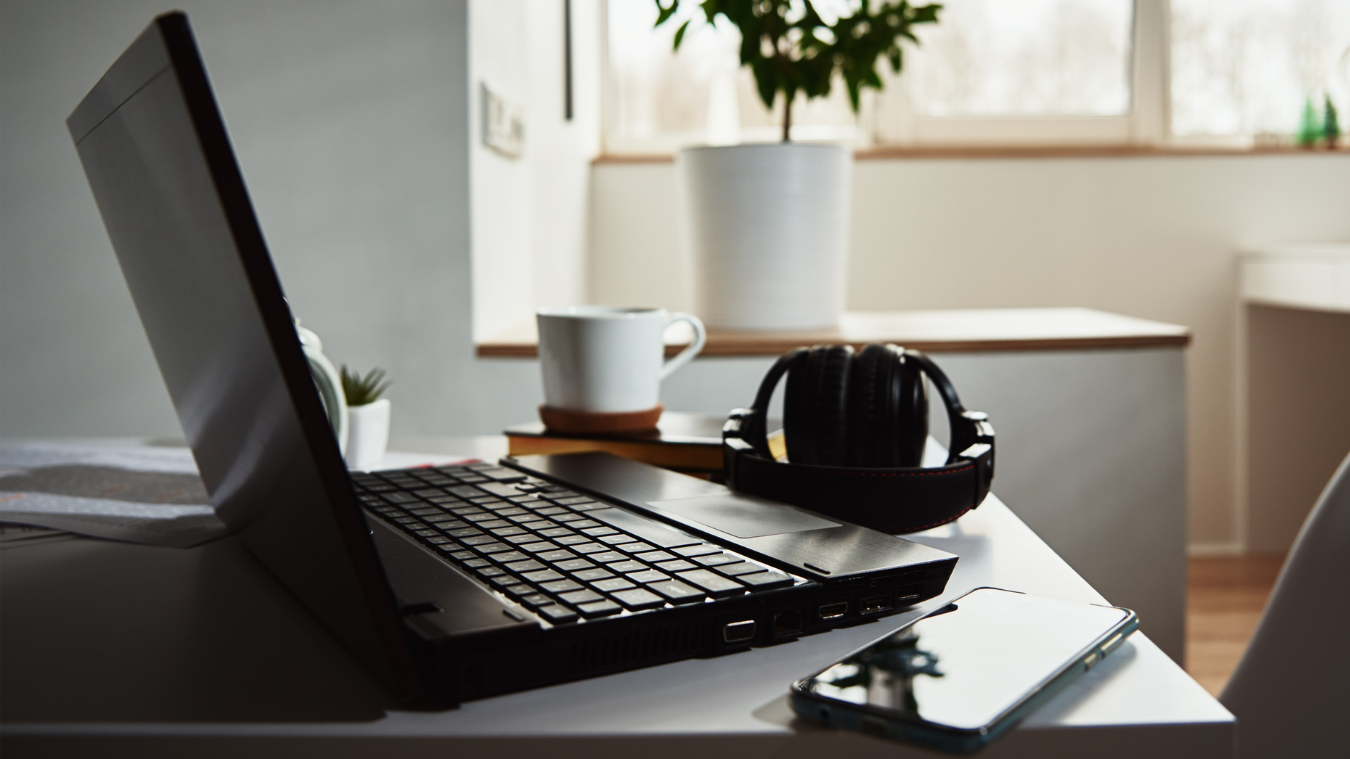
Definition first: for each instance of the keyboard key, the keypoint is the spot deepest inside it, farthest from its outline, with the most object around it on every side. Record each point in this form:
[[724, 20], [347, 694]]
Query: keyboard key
[[465, 491], [491, 548], [572, 500], [487, 572], [637, 599], [567, 518], [555, 556], [602, 608], [463, 533], [592, 574], [739, 568], [555, 511], [651, 557], [679, 565], [426, 533], [612, 584], [573, 539], [495, 524], [521, 567], [698, 550], [651, 575], [537, 548], [502, 582], [510, 511], [588, 506], [607, 557], [638, 547], [463, 555], [625, 567], [556, 613], [676, 591], [589, 548], [476, 563], [544, 575], [716, 559], [597, 530], [556, 532], [715, 584], [562, 586], [522, 538], [535, 600], [580, 596], [478, 540], [506, 532], [507, 557], [481, 516], [501, 474], [618, 540], [765, 580], [573, 565]]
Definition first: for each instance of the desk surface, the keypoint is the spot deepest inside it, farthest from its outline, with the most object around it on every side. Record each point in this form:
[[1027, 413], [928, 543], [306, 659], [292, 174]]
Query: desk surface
[[112, 648], [948, 331]]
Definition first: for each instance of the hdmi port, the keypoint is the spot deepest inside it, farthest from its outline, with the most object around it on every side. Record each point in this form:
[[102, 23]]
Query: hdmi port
[[833, 611], [875, 605]]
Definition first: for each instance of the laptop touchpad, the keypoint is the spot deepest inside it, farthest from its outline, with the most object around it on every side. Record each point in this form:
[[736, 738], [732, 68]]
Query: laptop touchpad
[[741, 516]]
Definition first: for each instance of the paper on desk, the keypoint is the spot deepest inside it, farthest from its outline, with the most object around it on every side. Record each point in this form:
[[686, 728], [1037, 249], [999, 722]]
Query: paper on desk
[[139, 494]]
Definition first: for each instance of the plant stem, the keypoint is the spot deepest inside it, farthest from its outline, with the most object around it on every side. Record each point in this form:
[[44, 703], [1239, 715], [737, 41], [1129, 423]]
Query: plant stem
[[787, 119]]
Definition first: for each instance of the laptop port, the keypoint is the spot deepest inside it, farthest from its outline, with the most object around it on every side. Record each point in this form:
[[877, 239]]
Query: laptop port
[[739, 632], [787, 623], [875, 605], [833, 611]]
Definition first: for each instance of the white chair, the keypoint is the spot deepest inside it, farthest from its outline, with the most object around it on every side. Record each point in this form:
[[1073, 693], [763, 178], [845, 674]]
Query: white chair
[[1291, 691]]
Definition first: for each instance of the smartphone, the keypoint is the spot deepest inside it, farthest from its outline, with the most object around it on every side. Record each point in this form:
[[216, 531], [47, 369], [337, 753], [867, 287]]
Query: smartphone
[[958, 677]]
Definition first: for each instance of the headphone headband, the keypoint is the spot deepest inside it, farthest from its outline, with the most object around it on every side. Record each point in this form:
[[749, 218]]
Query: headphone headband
[[893, 499]]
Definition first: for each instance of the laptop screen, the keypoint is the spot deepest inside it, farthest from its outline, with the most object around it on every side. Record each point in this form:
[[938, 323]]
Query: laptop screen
[[164, 176]]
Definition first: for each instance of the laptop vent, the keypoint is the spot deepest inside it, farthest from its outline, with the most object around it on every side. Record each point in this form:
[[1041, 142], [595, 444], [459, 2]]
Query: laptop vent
[[643, 645]]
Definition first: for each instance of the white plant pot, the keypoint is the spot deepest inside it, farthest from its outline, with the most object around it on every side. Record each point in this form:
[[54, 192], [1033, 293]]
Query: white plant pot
[[767, 233], [367, 434]]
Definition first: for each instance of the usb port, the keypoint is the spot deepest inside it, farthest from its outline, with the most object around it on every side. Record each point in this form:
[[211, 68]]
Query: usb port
[[833, 611], [739, 632], [875, 605]]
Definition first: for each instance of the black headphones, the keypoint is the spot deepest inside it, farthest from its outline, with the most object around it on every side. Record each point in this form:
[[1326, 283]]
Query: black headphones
[[855, 425]]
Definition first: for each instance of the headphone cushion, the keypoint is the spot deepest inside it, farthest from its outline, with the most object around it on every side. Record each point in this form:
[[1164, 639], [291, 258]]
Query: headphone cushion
[[909, 430], [815, 409], [869, 413]]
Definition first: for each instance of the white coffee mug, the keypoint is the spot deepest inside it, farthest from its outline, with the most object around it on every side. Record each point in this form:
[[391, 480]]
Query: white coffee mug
[[605, 359]]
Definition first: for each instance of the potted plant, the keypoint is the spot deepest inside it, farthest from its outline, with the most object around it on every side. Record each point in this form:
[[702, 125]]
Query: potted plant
[[768, 223], [367, 417]]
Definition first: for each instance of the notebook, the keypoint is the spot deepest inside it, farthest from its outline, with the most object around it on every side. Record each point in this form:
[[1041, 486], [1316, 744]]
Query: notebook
[[432, 578]]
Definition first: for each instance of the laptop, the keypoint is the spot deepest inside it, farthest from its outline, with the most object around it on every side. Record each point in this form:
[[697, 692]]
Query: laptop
[[454, 582]]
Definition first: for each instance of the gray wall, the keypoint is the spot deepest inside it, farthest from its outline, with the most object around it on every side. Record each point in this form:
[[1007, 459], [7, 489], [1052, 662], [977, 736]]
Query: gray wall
[[350, 122]]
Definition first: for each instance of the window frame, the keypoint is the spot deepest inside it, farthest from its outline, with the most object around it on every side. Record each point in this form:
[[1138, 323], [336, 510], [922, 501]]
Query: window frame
[[1146, 124]]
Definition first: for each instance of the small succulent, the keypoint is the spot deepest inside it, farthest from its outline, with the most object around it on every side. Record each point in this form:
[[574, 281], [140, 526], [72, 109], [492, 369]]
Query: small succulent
[[361, 391]]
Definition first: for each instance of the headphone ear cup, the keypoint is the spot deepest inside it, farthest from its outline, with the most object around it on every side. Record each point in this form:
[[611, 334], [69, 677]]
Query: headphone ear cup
[[909, 419], [868, 419], [815, 407]]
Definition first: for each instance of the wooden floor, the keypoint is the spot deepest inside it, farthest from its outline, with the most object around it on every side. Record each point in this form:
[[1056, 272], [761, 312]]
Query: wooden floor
[[1224, 602]]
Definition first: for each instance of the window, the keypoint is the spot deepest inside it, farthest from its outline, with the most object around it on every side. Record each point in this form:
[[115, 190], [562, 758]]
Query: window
[[1247, 67], [1000, 72]]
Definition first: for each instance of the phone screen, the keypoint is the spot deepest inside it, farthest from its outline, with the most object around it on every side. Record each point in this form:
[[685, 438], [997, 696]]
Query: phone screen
[[966, 664]]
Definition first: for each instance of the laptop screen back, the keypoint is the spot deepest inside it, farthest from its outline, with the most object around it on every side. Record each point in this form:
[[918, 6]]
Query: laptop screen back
[[164, 176]]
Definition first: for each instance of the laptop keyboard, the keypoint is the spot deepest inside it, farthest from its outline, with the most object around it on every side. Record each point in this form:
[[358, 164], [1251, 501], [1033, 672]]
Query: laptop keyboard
[[566, 556]]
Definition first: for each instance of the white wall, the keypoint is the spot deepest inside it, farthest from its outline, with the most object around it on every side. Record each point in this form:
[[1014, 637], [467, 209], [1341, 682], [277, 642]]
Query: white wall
[[529, 212], [351, 124], [1151, 237]]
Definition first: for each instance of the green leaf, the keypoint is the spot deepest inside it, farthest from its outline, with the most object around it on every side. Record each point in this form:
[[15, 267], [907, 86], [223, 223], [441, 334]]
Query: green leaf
[[664, 13], [679, 34]]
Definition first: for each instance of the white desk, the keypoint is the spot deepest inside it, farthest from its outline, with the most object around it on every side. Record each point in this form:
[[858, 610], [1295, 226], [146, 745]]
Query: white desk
[[1294, 384], [112, 649]]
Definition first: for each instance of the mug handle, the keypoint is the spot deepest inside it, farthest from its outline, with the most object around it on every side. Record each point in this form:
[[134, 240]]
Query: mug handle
[[686, 355]]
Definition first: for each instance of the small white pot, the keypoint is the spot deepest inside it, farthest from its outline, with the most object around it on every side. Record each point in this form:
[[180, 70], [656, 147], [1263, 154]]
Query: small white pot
[[367, 434], [767, 230]]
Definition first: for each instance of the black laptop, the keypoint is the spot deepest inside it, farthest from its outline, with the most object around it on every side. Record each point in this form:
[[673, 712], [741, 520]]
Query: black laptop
[[463, 581]]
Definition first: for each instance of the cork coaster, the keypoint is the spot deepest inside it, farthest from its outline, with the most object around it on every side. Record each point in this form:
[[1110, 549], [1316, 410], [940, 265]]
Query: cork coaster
[[593, 422]]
